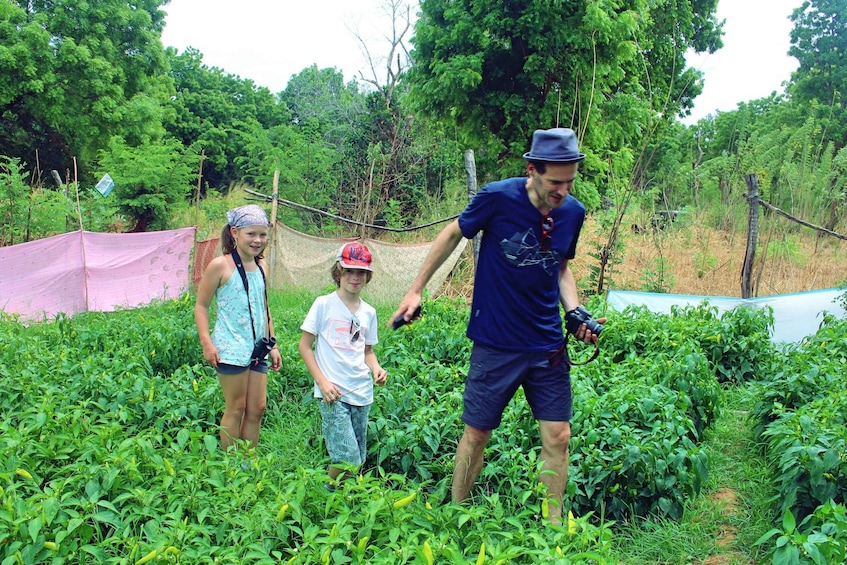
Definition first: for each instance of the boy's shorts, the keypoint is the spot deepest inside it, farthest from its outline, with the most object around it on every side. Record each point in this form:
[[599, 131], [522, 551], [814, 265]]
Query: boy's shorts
[[226, 369], [345, 429], [495, 375]]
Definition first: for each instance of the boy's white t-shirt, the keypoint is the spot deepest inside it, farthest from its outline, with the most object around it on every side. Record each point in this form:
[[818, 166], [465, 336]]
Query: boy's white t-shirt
[[340, 359]]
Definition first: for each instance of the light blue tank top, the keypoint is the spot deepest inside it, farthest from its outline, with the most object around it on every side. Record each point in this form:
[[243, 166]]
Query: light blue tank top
[[232, 335]]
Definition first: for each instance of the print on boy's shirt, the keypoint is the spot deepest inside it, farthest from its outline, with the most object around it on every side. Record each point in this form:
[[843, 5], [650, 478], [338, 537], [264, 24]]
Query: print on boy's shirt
[[524, 250], [339, 334]]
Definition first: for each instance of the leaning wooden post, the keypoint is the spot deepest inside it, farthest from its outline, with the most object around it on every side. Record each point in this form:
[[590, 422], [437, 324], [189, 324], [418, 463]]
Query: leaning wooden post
[[470, 172], [752, 235], [197, 195], [273, 222]]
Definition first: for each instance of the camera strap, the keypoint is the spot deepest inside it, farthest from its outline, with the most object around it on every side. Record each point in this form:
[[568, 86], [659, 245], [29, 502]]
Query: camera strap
[[561, 354], [589, 360], [239, 265]]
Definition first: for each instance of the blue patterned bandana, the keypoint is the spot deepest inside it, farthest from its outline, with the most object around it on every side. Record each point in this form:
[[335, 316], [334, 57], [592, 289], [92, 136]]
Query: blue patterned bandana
[[249, 215]]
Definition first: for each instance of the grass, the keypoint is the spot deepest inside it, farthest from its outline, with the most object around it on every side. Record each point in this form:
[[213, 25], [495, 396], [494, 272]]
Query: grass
[[699, 259], [723, 523]]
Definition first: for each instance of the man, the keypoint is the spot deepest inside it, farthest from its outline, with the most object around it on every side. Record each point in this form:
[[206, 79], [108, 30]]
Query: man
[[530, 229]]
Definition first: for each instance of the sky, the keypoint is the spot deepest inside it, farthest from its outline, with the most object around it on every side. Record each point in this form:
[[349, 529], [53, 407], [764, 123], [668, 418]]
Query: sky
[[268, 41], [754, 60]]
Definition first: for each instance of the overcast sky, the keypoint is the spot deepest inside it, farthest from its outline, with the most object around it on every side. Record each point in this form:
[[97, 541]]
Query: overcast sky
[[270, 40]]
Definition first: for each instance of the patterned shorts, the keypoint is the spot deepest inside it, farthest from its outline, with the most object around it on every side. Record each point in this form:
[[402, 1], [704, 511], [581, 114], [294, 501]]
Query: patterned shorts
[[345, 429]]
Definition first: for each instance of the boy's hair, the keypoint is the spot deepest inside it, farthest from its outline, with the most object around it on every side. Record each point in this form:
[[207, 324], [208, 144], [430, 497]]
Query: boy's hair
[[228, 242], [337, 270]]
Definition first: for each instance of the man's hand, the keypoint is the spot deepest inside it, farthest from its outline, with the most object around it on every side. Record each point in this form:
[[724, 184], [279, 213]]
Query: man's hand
[[409, 310], [584, 334]]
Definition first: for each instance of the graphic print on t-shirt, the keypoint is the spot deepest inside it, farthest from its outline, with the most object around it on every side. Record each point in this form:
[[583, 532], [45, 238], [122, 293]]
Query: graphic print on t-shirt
[[524, 250], [339, 334]]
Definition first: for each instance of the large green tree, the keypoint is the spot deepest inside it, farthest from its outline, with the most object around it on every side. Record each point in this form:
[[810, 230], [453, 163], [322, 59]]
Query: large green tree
[[218, 112], [75, 72], [819, 42], [150, 179], [499, 70]]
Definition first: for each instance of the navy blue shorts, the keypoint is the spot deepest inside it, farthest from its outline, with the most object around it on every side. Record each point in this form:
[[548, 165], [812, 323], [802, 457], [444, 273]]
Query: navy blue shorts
[[226, 369], [495, 375]]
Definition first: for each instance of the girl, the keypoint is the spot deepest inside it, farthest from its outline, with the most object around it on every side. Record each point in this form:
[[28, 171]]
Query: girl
[[243, 318]]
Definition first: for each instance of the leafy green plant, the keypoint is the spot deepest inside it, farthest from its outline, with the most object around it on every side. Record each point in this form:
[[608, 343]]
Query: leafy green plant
[[808, 448], [820, 539], [110, 438], [149, 179], [658, 277], [704, 262]]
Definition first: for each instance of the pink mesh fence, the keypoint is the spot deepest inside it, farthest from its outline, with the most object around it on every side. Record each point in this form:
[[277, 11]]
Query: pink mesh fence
[[86, 271]]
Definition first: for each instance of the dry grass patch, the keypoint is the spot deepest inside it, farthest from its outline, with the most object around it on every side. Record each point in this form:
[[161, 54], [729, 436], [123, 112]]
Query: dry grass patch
[[701, 260]]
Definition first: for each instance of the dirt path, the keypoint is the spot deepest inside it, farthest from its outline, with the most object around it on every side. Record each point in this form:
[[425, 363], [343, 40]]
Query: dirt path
[[738, 489]]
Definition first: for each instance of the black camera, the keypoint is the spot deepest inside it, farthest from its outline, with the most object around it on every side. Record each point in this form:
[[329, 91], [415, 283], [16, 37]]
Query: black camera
[[578, 316], [262, 348], [401, 321]]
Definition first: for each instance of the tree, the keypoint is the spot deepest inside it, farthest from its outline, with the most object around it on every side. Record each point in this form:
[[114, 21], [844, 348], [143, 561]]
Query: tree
[[499, 70], [73, 73], [819, 41], [216, 112], [149, 179]]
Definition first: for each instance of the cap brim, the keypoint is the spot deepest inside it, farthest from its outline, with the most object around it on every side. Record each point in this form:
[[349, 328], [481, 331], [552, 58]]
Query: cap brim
[[349, 266]]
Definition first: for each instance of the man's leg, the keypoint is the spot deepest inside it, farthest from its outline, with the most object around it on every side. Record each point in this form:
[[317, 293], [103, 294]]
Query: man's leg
[[555, 438], [468, 463]]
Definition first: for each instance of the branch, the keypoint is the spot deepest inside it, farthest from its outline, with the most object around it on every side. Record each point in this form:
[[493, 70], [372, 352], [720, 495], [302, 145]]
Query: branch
[[268, 198], [801, 222]]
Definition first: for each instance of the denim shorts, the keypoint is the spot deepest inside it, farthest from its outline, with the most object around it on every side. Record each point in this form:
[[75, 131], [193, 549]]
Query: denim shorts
[[226, 369], [495, 375], [345, 429]]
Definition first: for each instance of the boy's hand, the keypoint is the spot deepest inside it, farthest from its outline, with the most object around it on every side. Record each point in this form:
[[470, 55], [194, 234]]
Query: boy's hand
[[379, 376], [329, 392]]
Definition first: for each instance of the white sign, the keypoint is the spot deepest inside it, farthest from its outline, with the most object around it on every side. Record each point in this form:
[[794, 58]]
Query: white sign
[[105, 186]]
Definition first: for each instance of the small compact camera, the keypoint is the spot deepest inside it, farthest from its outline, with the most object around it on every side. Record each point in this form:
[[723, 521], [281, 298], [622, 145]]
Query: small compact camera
[[262, 348], [578, 316]]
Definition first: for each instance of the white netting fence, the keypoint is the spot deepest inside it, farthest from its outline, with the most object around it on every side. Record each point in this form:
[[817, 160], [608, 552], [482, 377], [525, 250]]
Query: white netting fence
[[304, 261]]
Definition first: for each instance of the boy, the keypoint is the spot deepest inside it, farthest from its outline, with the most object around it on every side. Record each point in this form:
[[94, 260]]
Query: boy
[[343, 329]]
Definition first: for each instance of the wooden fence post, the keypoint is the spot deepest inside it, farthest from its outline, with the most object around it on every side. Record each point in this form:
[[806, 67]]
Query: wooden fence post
[[197, 195], [752, 235], [470, 172], [273, 220]]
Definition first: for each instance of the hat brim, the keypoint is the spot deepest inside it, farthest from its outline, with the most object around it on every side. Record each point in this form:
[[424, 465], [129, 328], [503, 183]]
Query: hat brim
[[548, 159], [350, 266]]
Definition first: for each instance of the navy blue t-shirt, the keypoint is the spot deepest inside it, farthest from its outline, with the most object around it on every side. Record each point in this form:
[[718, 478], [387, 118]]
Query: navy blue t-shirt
[[516, 291]]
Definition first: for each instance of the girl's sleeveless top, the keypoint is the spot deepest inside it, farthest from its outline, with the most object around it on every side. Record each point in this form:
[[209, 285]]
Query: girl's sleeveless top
[[232, 335]]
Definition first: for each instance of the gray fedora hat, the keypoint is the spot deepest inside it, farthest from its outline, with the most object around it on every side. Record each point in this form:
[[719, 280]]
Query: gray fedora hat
[[557, 145]]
